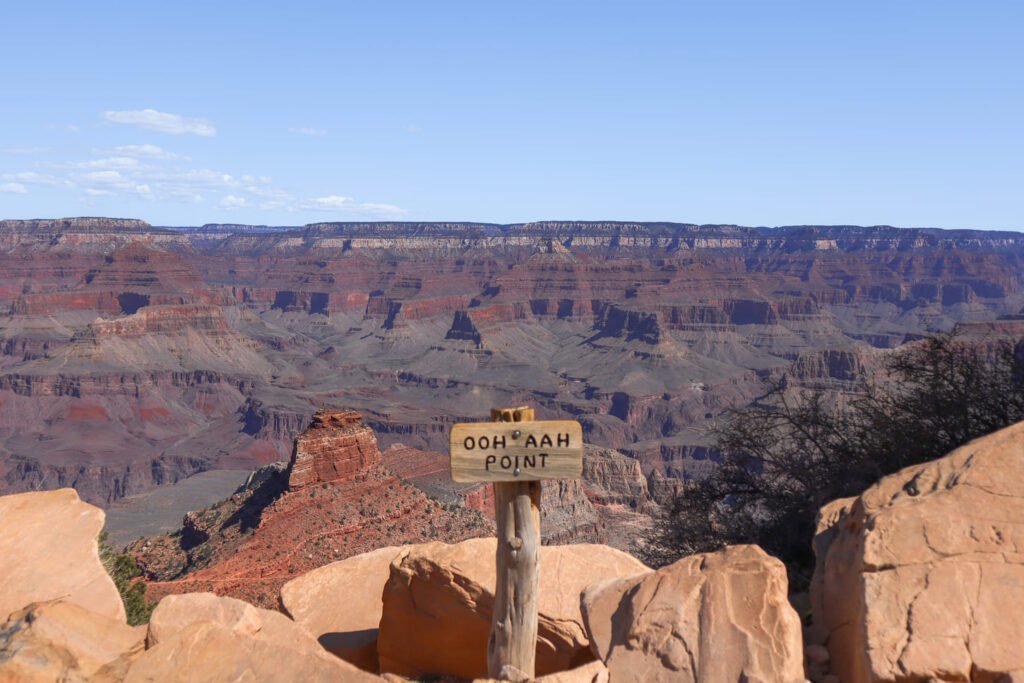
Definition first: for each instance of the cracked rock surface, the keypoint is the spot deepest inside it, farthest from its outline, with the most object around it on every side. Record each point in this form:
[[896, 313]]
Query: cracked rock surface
[[922, 576], [707, 618]]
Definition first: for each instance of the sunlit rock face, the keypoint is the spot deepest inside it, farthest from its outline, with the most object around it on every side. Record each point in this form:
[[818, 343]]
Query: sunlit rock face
[[914, 575]]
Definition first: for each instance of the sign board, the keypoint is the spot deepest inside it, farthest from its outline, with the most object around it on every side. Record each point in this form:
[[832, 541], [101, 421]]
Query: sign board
[[516, 451]]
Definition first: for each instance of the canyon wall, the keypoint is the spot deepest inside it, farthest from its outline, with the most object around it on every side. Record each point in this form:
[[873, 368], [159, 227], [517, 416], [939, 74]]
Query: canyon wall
[[132, 356]]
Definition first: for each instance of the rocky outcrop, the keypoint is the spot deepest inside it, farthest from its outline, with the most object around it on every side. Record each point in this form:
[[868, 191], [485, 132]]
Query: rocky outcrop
[[158, 320], [335, 446], [48, 551], [664, 489], [333, 501], [464, 329], [917, 574], [63, 641], [454, 585], [629, 325], [707, 618], [349, 628], [567, 515], [831, 364], [612, 478]]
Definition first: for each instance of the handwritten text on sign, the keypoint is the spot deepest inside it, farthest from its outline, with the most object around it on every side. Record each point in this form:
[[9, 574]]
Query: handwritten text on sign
[[516, 451]]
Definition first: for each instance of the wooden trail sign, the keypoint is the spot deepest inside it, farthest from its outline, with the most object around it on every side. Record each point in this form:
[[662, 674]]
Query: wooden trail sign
[[515, 453]]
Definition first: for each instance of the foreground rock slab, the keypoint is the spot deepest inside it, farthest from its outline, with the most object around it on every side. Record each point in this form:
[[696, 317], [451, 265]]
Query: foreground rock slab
[[341, 604], [177, 612], [63, 641], [202, 637], [207, 652], [48, 550], [923, 577], [438, 601], [707, 618]]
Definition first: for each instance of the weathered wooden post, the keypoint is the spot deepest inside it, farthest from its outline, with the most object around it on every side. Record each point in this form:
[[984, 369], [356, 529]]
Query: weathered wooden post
[[516, 453]]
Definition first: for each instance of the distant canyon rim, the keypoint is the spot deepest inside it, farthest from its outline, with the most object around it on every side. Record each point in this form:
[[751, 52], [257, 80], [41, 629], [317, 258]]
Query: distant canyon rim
[[134, 356]]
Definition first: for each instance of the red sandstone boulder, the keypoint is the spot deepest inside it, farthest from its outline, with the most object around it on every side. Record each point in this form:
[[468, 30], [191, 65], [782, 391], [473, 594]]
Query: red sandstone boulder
[[203, 637], [177, 612], [439, 599], [208, 652], [48, 551], [710, 618], [315, 457], [924, 576], [341, 604], [825, 533], [63, 641]]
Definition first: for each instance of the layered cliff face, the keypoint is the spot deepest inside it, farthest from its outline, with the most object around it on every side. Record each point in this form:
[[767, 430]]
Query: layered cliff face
[[139, 355], [336, 446]]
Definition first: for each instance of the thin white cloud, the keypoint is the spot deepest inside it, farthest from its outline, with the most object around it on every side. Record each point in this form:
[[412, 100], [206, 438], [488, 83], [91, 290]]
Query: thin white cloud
[[305, 130], [381, 210], [342, 204], [328, 203], [233, 202], [195, 178], [32, 178], [108, 183], [148, 171], [147, 152], [412, 128], [23, 149], [109, 163], [105, 177], [162, 122]]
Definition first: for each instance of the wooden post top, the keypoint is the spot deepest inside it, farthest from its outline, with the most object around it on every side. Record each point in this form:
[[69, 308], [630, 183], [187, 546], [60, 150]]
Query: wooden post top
[[520, 414]]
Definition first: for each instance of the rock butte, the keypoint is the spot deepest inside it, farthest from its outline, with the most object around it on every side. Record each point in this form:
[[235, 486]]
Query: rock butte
[[334, 499], [143, 355], [339, 496]]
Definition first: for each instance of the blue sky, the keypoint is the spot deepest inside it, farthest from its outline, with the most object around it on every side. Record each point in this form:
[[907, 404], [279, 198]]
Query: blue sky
[[757, 113]]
